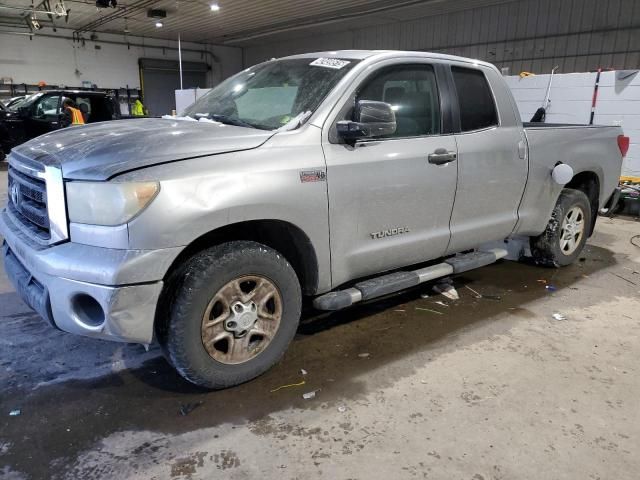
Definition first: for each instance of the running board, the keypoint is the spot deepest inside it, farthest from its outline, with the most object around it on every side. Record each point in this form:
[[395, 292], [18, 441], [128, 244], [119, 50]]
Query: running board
[[397, 281]]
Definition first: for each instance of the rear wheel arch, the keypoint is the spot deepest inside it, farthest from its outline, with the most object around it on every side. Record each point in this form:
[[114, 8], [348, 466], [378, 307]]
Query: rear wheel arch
[[566, 233], [588, 182]]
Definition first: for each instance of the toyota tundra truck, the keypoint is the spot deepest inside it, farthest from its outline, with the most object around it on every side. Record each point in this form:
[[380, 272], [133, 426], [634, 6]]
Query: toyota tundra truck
[[327, 179]]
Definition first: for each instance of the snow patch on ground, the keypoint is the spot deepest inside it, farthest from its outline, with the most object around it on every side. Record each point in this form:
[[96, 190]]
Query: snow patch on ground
[[7, 474]]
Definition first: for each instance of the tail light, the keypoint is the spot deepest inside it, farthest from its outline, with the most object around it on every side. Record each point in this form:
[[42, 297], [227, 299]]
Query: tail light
[[623, 144]]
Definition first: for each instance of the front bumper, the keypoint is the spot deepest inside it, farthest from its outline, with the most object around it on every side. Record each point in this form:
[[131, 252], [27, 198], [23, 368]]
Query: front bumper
[[86, 290]]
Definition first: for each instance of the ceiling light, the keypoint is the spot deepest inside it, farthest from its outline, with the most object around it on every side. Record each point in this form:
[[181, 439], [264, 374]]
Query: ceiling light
[[159, 24], [215, 7], [34, 22]]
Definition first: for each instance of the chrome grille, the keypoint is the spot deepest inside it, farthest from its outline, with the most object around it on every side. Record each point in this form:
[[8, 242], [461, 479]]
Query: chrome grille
[[28, 202], [34, 188]]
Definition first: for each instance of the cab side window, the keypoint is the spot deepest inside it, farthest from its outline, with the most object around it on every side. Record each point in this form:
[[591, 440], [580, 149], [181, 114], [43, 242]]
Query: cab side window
[[47, 108], [477, 107], [412, 92]]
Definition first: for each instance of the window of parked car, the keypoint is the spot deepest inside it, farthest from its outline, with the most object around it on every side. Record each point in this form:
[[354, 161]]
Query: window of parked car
[[412, 92], [48, 107], [477, 107]]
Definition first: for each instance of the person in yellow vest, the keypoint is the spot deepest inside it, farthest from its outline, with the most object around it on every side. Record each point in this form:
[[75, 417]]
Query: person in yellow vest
[[138, 108], [71, 115]]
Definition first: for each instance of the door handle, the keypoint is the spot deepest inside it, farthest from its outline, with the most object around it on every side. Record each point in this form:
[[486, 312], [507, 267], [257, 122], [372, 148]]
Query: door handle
[[522, 149], [441, 156]]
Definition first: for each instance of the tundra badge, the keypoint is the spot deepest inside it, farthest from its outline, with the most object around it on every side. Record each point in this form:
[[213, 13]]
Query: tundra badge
[[390, 232]]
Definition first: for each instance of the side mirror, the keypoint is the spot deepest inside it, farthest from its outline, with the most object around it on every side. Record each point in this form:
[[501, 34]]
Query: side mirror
[[371, 119], [23, 111]]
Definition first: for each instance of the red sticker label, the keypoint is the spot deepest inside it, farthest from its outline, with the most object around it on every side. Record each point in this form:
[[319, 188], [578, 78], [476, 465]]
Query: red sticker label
[[312, 176]]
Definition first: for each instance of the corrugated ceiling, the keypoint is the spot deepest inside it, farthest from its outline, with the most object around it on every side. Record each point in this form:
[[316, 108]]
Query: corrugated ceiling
[[238, 22]]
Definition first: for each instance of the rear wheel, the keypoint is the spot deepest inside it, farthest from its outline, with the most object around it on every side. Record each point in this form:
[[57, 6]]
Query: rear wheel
[[566, 233], [235, 309]]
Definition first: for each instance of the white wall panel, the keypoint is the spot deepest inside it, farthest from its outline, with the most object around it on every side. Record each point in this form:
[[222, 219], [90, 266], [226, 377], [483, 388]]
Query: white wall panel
[[618, 104], [55, 60]]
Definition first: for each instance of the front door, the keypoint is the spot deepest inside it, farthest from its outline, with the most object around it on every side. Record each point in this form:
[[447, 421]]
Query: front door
[[44, 116], [388, 205]]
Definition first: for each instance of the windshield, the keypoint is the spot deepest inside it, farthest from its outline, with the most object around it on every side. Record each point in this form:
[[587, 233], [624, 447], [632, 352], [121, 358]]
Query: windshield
[[23, 102], [272, 94]]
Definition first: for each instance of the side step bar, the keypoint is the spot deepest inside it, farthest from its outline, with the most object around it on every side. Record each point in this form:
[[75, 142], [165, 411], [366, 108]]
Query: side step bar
[[394, 282]]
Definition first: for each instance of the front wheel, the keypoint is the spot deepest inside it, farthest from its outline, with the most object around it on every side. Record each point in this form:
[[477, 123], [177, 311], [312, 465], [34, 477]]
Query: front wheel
[[566, 234], [235, 309]]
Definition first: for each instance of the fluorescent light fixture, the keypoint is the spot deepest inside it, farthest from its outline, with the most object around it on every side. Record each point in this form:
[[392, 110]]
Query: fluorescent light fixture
[[159, 24], [215, 7]]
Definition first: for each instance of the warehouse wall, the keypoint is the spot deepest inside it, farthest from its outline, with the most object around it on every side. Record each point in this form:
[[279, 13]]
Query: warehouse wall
[[529, 35], [55, 59], [618, 103]]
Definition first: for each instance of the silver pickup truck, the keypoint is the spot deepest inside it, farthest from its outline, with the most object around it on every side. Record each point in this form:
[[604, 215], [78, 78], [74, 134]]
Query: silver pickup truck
[[333, 177]]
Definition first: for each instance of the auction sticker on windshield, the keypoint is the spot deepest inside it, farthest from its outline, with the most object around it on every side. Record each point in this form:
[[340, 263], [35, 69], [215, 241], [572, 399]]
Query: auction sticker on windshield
[[330, 63]]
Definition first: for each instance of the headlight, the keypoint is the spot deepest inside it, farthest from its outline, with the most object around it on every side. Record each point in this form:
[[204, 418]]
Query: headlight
[[108, 203]]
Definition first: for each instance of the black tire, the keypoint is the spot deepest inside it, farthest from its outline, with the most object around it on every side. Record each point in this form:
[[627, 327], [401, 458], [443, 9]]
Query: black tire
[[194, 285], [546, 248]]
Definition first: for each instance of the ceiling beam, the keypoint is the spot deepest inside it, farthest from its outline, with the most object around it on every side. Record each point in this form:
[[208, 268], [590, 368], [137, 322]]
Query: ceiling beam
[[30, 9], [118, 13]]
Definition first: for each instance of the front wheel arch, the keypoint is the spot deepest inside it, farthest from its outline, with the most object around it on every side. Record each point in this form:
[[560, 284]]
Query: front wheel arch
[[288, 239]]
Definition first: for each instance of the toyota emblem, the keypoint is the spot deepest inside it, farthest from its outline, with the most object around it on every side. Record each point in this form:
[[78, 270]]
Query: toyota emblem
[[15, 193]]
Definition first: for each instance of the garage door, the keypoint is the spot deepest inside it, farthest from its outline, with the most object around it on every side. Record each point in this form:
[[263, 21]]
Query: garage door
[[161, 78]]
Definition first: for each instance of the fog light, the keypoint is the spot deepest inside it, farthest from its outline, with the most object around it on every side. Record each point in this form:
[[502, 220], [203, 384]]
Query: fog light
[[87, 310]]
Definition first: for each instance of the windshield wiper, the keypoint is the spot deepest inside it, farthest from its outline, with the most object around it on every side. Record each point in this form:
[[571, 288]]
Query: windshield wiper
[[227, 120]]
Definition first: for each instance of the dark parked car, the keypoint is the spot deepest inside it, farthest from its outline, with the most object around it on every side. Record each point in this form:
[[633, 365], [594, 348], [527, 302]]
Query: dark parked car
[[41, 113], [14, 101]]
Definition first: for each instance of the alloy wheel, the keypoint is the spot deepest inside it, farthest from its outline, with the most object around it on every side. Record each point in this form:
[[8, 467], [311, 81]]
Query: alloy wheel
[[241, 319]]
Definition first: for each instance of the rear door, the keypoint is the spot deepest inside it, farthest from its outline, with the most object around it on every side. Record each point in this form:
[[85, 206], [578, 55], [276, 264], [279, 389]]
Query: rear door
[[492, 163], [388, 205]]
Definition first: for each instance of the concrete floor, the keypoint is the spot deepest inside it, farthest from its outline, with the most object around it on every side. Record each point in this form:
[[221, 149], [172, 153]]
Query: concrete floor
[[490, 388]]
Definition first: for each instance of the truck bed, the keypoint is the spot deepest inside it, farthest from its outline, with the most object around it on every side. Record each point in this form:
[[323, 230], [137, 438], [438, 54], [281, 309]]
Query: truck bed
[[586, 148]]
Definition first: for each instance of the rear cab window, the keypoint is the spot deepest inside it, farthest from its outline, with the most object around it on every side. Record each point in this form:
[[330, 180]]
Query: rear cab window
[[476, 104]]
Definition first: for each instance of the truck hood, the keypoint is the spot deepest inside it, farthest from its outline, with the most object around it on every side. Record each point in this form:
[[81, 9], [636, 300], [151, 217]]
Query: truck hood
[[103, 150]]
